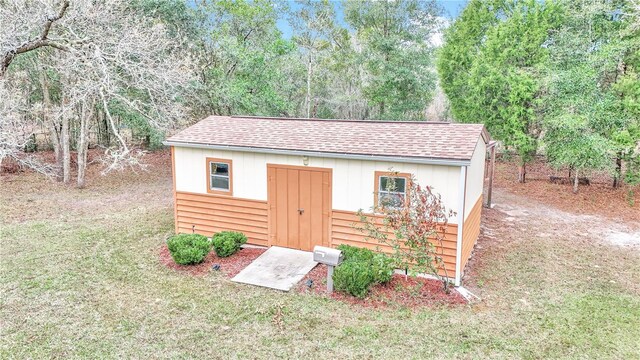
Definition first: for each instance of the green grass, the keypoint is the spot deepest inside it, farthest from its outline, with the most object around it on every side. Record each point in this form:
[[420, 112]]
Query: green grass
[[93, 287]]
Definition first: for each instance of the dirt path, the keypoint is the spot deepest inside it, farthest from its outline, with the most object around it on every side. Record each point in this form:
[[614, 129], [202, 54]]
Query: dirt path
[[525, 242], [552, 222]]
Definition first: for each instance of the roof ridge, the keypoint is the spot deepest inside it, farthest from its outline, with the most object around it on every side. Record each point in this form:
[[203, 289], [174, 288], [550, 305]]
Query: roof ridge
[[345, 120]]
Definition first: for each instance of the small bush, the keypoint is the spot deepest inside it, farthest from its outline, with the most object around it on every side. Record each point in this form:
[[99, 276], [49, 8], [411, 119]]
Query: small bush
[[187, 249], [355, 253], [227, 243], [353, 277], [382, 267], [361, 268]]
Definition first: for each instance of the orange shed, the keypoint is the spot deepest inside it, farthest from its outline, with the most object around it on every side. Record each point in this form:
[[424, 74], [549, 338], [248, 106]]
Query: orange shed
[[299, 182]]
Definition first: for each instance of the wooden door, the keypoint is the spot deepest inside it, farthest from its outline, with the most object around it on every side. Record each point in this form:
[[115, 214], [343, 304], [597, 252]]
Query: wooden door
[[299, 206]]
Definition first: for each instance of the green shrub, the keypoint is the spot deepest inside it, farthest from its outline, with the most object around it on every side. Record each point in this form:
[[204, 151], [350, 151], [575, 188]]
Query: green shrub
[[188, 249], [353, 277], [382, 266], [360, 269], [355, 253], [227, 243]]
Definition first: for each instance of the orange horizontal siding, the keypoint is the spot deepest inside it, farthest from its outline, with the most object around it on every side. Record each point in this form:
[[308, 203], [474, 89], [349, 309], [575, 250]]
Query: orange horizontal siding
[[222, 200], [343, 231], [208, 214], [471, 231]]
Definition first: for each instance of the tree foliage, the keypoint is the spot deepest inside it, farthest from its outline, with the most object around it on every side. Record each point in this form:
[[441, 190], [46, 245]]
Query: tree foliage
[[85, 58], [489, 68], [243, 58], [591, 106], [562, 74], [396, 53]]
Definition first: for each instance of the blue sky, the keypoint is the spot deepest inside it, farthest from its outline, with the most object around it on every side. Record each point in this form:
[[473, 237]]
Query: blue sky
[[451, 10]]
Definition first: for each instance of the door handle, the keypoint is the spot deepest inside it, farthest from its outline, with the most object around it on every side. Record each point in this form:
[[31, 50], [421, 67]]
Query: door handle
[[300, 211]]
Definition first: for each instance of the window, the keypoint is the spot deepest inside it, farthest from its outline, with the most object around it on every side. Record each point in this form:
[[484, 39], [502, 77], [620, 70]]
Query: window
[[391, 189], [219, 180]]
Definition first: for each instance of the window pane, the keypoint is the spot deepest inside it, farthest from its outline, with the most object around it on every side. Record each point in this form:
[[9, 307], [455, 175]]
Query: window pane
[[390, 200], [220, 182], [388, 183], [383, 183], [400, 184], [220, 168]]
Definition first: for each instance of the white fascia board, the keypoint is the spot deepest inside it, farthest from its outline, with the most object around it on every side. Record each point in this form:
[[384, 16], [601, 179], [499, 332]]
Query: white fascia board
[[427, 161]]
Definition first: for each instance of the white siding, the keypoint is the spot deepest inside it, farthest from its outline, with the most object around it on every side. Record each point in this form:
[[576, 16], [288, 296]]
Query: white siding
[[353, 180], [475, 177]]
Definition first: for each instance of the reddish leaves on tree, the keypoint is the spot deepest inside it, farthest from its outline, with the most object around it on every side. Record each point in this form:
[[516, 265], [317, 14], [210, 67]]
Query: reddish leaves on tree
[[414, 231]]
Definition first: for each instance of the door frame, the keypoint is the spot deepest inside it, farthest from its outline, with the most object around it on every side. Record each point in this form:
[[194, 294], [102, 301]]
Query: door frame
[[270, 240]]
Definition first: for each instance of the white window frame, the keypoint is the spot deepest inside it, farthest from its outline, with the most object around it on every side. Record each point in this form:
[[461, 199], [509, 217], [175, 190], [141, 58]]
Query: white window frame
[[381, 193]]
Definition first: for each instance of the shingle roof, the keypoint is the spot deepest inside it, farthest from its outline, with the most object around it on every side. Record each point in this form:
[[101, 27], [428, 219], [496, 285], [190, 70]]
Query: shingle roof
[[406, 139]]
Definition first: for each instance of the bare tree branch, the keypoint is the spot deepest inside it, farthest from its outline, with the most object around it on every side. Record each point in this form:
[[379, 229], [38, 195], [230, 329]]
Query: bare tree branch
[[9, 55], [117, 58]]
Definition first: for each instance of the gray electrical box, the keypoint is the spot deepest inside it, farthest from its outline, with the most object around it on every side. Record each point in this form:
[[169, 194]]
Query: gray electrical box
[[327, 256]]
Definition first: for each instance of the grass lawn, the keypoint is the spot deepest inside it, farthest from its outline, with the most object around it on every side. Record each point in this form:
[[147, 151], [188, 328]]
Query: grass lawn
[[81, 277]]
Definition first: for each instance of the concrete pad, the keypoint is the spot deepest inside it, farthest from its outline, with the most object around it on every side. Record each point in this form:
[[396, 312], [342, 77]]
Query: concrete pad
[[277, 268]]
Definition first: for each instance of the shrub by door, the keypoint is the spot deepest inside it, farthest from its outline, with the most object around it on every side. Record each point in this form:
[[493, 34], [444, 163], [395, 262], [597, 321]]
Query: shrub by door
[[299, 200]]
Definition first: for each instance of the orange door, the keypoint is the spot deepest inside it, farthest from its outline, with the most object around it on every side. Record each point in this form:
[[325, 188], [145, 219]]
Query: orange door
[[299, 206]]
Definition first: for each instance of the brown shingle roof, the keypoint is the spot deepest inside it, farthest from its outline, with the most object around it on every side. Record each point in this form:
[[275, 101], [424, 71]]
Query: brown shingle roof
[[415, 139]]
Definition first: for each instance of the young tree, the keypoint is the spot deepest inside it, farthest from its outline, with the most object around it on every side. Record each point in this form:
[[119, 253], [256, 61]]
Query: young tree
[[414, 227], [572, 142], [343, 75], [396, 53], [490, 68]]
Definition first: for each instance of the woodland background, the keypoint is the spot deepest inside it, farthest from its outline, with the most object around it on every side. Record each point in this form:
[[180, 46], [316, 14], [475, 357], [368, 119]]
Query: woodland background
[[553, 78]]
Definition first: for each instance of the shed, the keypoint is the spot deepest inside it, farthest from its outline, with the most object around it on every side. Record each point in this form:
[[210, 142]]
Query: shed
[[298, 183]]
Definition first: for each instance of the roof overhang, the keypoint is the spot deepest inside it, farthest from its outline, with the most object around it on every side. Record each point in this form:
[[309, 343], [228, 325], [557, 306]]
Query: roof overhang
[[401, 159], [485, 135]]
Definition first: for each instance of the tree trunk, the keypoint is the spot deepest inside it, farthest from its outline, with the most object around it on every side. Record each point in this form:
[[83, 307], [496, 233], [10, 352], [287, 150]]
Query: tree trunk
[[617, 176], [522, 173], [86, 113], [104, 137], [575, 182], [308, 97], [54, 130], [66, 155]]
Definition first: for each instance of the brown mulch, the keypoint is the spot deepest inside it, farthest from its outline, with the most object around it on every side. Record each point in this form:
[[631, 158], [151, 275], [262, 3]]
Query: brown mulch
[[400, 291], [411, 292], [600, 198], [230, 266]]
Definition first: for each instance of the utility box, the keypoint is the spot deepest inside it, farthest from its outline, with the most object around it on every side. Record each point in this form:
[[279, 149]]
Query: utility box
[[327, 256], [330, 257]]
